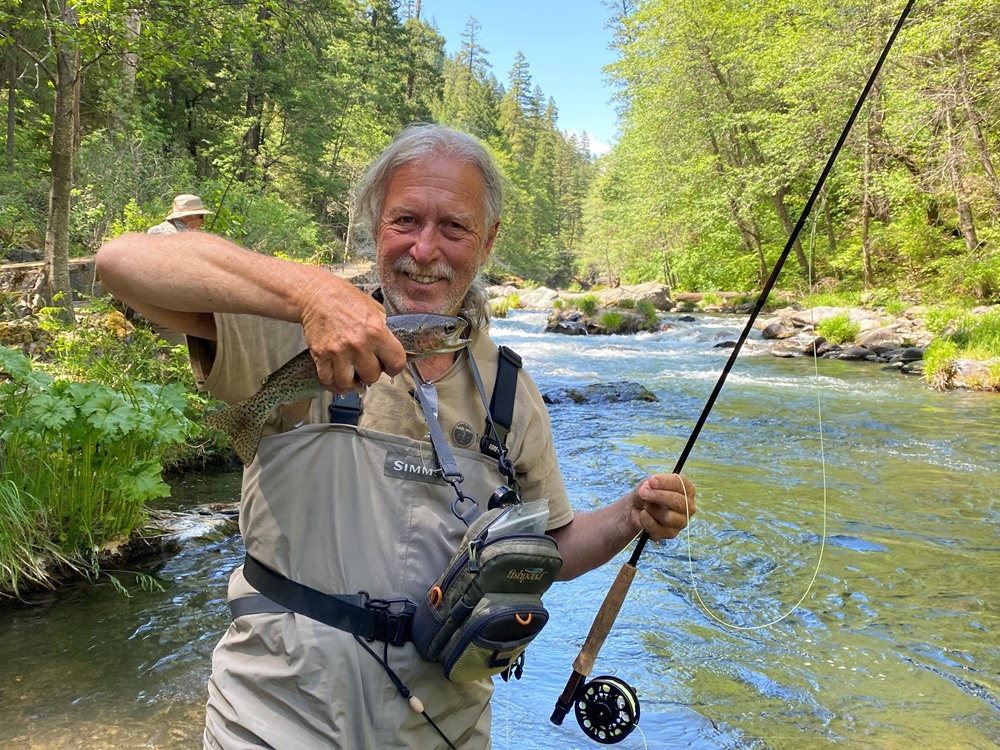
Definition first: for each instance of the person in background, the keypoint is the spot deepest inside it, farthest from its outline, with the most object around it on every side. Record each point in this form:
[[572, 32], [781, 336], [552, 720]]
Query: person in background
[[328, 512], [186, 215]]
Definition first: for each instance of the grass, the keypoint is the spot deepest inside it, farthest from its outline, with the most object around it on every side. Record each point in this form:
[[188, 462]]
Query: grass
[[838, 329]]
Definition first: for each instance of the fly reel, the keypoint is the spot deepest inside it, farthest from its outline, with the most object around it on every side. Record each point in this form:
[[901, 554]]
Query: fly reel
[[607, 709]]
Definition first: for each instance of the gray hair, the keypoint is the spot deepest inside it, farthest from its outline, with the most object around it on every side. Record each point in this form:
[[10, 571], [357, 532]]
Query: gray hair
[[417, 142]]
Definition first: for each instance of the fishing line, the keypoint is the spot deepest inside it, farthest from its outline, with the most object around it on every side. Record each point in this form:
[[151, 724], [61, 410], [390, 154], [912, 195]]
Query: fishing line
[[615, 597], [706, 609]]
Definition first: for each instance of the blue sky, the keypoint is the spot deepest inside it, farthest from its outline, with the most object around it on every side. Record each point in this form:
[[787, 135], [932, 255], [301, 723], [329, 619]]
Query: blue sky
[[564, 42]]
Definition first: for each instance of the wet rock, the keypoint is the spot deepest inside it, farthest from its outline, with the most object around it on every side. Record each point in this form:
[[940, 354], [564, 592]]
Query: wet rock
[[607, 393]]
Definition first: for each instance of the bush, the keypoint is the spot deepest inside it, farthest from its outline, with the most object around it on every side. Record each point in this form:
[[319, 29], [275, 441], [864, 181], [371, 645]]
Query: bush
[[588, 304], [648, 311], [838, 329], [611, 321], [90, 456]]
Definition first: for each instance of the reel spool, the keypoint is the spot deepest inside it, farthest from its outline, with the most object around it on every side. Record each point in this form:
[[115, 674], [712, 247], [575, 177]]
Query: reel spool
[[607, 709]]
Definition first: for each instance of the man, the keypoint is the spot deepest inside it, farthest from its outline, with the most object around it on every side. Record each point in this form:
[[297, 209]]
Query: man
[[321, 504], [186, 215]]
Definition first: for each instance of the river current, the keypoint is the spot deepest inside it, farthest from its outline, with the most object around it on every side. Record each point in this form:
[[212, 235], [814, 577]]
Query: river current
[[839, 586]]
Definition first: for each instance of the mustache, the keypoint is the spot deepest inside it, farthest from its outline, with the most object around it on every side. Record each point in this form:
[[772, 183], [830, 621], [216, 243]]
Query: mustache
[[410, 267]]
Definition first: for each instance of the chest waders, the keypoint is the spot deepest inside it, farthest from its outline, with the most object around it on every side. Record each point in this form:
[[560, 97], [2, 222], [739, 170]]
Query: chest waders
[[481, 613]]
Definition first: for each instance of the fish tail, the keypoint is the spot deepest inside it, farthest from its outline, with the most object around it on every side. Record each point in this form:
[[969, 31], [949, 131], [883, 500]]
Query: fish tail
[[242, 423]]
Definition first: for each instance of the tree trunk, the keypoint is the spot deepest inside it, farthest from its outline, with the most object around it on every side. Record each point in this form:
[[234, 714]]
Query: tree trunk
[[966, 222], [831, 235], [779, 206], [973, 117], [866, 214], [11, 79], [130, 60], [58, 291], [252, 138]]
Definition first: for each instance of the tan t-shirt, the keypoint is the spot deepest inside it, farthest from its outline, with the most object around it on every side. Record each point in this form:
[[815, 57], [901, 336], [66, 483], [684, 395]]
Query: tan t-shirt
[[250, 348]]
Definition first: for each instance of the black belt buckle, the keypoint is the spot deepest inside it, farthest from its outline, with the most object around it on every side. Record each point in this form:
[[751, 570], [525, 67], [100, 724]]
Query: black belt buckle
[[391, 626]]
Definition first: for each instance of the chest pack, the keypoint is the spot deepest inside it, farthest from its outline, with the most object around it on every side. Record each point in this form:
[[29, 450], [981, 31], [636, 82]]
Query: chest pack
[[484, 609]]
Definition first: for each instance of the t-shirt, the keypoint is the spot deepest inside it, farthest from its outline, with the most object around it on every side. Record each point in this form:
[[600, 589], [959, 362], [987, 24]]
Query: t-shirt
[[251, 347]]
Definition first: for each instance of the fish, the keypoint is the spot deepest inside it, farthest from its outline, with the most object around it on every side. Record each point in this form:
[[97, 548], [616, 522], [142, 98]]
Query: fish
[[421, 335]]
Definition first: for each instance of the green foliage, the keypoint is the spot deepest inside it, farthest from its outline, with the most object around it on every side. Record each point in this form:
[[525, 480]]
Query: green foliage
[[838, 329], [587, 304], [90, 455], [27, 553], [711, 299], [611, 321], [626, 303], [977, 336], [648, 311], [939, 361]]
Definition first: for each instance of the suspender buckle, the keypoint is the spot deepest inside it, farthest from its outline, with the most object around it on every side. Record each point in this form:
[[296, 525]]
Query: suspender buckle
[[392, 620]]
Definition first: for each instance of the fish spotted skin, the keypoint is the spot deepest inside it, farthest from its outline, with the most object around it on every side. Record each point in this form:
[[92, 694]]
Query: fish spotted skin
[[421, 335]]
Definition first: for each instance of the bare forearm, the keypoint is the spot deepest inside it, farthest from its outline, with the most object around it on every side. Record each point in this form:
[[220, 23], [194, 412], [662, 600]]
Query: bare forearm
[[661, 505], [168, 276], [181, 280], [593, 538]]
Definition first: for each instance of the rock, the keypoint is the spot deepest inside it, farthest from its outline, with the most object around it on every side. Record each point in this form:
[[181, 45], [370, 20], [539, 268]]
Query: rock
[[608, 393], [855, 353], [567, 328], [777, 330]]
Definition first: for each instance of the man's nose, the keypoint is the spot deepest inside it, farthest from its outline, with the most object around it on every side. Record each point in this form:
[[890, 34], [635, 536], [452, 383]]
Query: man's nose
[[428, 243]]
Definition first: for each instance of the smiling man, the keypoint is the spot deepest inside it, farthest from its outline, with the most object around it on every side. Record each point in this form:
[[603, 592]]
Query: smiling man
[[335, 535]]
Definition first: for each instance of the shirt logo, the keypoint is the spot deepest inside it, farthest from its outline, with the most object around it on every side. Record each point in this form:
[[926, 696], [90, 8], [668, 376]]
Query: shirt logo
[[463, 435]]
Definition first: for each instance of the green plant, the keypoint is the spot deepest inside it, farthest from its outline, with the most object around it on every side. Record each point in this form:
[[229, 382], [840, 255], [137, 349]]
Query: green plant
[[90, 455], [588, 304], [978, 336], [838, 328], [27, 554], [626, 303], [648, 311], [939, 362], [611, 321], [710, 299]]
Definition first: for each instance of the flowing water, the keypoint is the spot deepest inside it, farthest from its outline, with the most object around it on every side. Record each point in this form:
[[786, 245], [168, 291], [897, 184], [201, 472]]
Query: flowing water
[[895, 644]]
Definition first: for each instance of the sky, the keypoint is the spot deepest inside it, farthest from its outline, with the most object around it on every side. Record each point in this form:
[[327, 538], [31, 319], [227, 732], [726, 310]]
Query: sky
[[564, 43]]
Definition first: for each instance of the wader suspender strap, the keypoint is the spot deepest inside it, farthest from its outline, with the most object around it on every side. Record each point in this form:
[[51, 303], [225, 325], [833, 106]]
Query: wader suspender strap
[[502, 403], [500, 415]]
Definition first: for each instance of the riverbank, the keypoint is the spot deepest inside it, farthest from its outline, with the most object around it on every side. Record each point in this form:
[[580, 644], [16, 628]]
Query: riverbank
[[897, 340]]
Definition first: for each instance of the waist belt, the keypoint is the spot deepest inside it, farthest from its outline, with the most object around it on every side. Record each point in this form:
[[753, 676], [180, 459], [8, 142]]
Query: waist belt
[[387, 620]]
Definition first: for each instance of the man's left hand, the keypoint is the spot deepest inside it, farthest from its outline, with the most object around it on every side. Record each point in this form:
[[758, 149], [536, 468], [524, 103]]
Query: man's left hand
[[659, 501]]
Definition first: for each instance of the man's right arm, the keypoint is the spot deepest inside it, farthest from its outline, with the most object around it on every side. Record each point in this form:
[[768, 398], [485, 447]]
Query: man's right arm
[[181, 280]]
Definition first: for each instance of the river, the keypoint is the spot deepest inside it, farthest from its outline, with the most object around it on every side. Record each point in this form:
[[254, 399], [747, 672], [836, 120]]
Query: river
[[838, 586]]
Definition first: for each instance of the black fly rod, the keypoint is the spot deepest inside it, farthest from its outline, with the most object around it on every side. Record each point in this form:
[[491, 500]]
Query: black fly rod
[[607, 708]]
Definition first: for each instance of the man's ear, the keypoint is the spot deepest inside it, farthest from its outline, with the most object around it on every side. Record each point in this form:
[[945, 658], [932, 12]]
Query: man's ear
[[488, 245]]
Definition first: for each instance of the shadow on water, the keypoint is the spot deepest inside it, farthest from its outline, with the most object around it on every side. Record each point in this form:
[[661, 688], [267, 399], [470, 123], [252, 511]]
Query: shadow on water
[[894, 646]]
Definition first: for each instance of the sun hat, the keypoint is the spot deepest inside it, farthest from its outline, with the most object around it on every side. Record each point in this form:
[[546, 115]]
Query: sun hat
[[187, 205]]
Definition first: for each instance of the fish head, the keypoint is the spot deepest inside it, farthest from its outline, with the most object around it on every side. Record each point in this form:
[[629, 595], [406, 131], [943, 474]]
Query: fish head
[[424, 335]]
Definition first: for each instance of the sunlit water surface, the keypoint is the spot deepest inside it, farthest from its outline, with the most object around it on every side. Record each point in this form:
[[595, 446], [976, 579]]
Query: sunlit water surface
[[891, 642]]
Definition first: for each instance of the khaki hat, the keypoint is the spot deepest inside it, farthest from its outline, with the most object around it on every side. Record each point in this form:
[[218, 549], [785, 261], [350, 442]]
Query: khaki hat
[[187, 205]]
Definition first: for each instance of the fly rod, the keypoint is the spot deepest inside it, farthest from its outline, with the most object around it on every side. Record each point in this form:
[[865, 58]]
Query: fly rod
[[607, 708]]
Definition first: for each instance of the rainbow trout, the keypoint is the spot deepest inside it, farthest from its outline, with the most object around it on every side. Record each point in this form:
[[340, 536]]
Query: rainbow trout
[[421, 335]]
